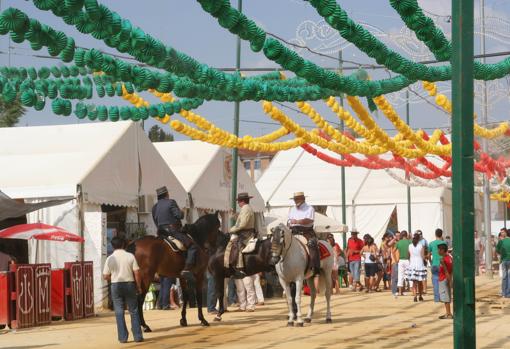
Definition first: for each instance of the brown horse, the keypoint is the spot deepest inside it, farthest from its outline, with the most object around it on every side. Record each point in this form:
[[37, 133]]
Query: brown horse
[[155, 256], [257, 261]]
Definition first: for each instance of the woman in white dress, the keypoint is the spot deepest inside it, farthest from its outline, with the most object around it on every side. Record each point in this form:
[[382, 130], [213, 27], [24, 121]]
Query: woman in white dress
[[417, 272]]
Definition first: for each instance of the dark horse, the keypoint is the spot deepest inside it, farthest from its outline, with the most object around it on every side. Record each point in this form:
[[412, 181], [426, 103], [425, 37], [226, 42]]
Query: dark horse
[[257, 261], [155, 256]]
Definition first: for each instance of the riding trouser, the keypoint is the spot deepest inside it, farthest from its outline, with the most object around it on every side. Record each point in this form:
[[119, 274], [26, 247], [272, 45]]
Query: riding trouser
[[313, 246], [191, 247]]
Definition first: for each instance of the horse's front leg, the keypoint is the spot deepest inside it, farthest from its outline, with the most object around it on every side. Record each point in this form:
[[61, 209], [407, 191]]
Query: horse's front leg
[[288, 294], [185, 298], [313, 294], [198, 291], [299, 287], [327, 294]]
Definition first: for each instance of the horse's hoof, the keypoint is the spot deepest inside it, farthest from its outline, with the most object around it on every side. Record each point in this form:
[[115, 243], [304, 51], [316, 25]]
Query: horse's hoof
[[308, 320], [329, 321], [184, 323], [290, 324], [146, 329], [217, 318], [204, 323], [299, 324]]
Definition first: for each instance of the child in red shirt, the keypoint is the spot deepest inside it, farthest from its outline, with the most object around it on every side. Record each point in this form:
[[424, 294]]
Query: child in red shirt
[[445, 279]]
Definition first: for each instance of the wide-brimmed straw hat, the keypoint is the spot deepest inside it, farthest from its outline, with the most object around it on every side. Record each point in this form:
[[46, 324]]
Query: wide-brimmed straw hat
[[243, 196], [298, 194]]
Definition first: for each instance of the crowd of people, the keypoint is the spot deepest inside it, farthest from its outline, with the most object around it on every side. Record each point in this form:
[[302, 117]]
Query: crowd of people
[[400, 264]]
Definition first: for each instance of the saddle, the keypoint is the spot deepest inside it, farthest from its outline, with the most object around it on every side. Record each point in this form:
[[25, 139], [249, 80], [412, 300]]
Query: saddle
[[323, 250], [232, 255], [175, 245]]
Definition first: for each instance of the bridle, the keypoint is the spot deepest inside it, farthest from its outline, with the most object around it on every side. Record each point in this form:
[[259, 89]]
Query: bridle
[[279, 251]]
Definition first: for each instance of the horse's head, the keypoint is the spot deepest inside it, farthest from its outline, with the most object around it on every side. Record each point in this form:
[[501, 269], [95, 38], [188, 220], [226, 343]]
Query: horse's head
[[208, 227], [277, 242]]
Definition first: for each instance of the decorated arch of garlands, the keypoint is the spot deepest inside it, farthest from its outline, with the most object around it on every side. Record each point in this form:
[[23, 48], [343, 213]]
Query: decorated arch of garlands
[[166, 72]]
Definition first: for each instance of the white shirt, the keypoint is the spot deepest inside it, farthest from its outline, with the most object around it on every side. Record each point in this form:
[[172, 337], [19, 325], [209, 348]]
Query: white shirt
[[302, 212], [121, 265]]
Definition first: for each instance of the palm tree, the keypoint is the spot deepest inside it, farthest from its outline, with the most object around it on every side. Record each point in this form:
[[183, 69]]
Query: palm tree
[[10, 113]]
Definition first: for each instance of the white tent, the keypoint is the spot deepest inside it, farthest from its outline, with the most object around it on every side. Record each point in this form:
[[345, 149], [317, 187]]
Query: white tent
[[92, 164], [205, 172], [372, 196]]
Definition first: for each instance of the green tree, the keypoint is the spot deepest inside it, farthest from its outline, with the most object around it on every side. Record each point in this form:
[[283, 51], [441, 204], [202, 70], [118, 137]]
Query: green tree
[[10, 113], [157, 134]]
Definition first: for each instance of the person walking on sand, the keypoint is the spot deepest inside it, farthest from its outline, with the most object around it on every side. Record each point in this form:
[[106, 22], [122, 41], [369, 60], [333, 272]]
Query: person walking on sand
[[416, 271], [122, 270], [445, 280]]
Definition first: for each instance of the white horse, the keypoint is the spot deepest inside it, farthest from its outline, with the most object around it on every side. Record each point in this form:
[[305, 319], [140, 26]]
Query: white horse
[[291, 259]]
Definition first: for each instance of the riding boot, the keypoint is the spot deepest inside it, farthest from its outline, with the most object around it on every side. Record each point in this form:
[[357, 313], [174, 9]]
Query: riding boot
[[190, 261], [240, 272], [314, 256]]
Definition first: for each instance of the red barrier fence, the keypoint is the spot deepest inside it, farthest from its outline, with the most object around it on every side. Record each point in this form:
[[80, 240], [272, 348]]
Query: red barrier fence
[[88, 289], [74, 283], [31, 294]]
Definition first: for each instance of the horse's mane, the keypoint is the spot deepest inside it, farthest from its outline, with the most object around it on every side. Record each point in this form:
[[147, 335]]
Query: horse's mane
[[200, 229]]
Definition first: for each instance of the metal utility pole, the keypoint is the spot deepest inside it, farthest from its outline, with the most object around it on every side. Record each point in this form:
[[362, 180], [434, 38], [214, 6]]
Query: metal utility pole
[[236, 123], [342, 168], [464, 325], [408, 186], [485, 149]]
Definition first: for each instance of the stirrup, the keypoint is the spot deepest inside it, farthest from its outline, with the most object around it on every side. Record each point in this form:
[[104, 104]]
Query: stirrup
[[239, 274], [187, 274]]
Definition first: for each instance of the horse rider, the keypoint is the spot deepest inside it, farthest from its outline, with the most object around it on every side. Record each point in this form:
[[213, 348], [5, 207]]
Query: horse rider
[[300, 221], [167, 217], [242, 231]]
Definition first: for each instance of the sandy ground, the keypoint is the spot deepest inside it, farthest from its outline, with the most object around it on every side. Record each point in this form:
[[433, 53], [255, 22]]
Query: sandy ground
[[359, 321]]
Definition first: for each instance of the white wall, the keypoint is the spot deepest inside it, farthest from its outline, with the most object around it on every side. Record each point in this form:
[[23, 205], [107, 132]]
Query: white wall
[[95, 249]]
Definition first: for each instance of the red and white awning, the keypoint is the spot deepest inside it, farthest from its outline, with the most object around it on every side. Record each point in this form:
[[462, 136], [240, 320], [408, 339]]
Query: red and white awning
[[39, 231]]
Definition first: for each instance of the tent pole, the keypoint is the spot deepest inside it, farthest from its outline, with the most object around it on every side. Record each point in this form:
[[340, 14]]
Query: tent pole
[[236, 125], [81, 224], [408, 186], [342, 168], [504, 214], [485, 149], [464, 326]]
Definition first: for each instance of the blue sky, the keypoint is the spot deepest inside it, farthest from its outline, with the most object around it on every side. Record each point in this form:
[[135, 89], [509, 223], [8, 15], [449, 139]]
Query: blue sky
[[183, 25]]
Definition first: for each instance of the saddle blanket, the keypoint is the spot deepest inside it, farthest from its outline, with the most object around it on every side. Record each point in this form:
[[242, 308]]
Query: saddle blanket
[[324, 252]]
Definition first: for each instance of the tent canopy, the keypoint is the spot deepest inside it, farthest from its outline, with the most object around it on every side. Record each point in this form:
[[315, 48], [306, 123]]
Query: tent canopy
[[10, 208], [204, 170], [113, 162]]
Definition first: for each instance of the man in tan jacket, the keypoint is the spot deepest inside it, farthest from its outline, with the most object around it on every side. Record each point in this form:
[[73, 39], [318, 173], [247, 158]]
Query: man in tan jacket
[[242, 231]]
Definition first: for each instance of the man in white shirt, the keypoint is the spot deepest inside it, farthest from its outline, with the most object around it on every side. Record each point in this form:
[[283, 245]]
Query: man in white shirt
[[122, 270], [301, 217]]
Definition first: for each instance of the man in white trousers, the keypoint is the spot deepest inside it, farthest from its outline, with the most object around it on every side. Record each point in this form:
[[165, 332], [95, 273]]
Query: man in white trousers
[[402, 247], [258, 289], [246, 296]]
